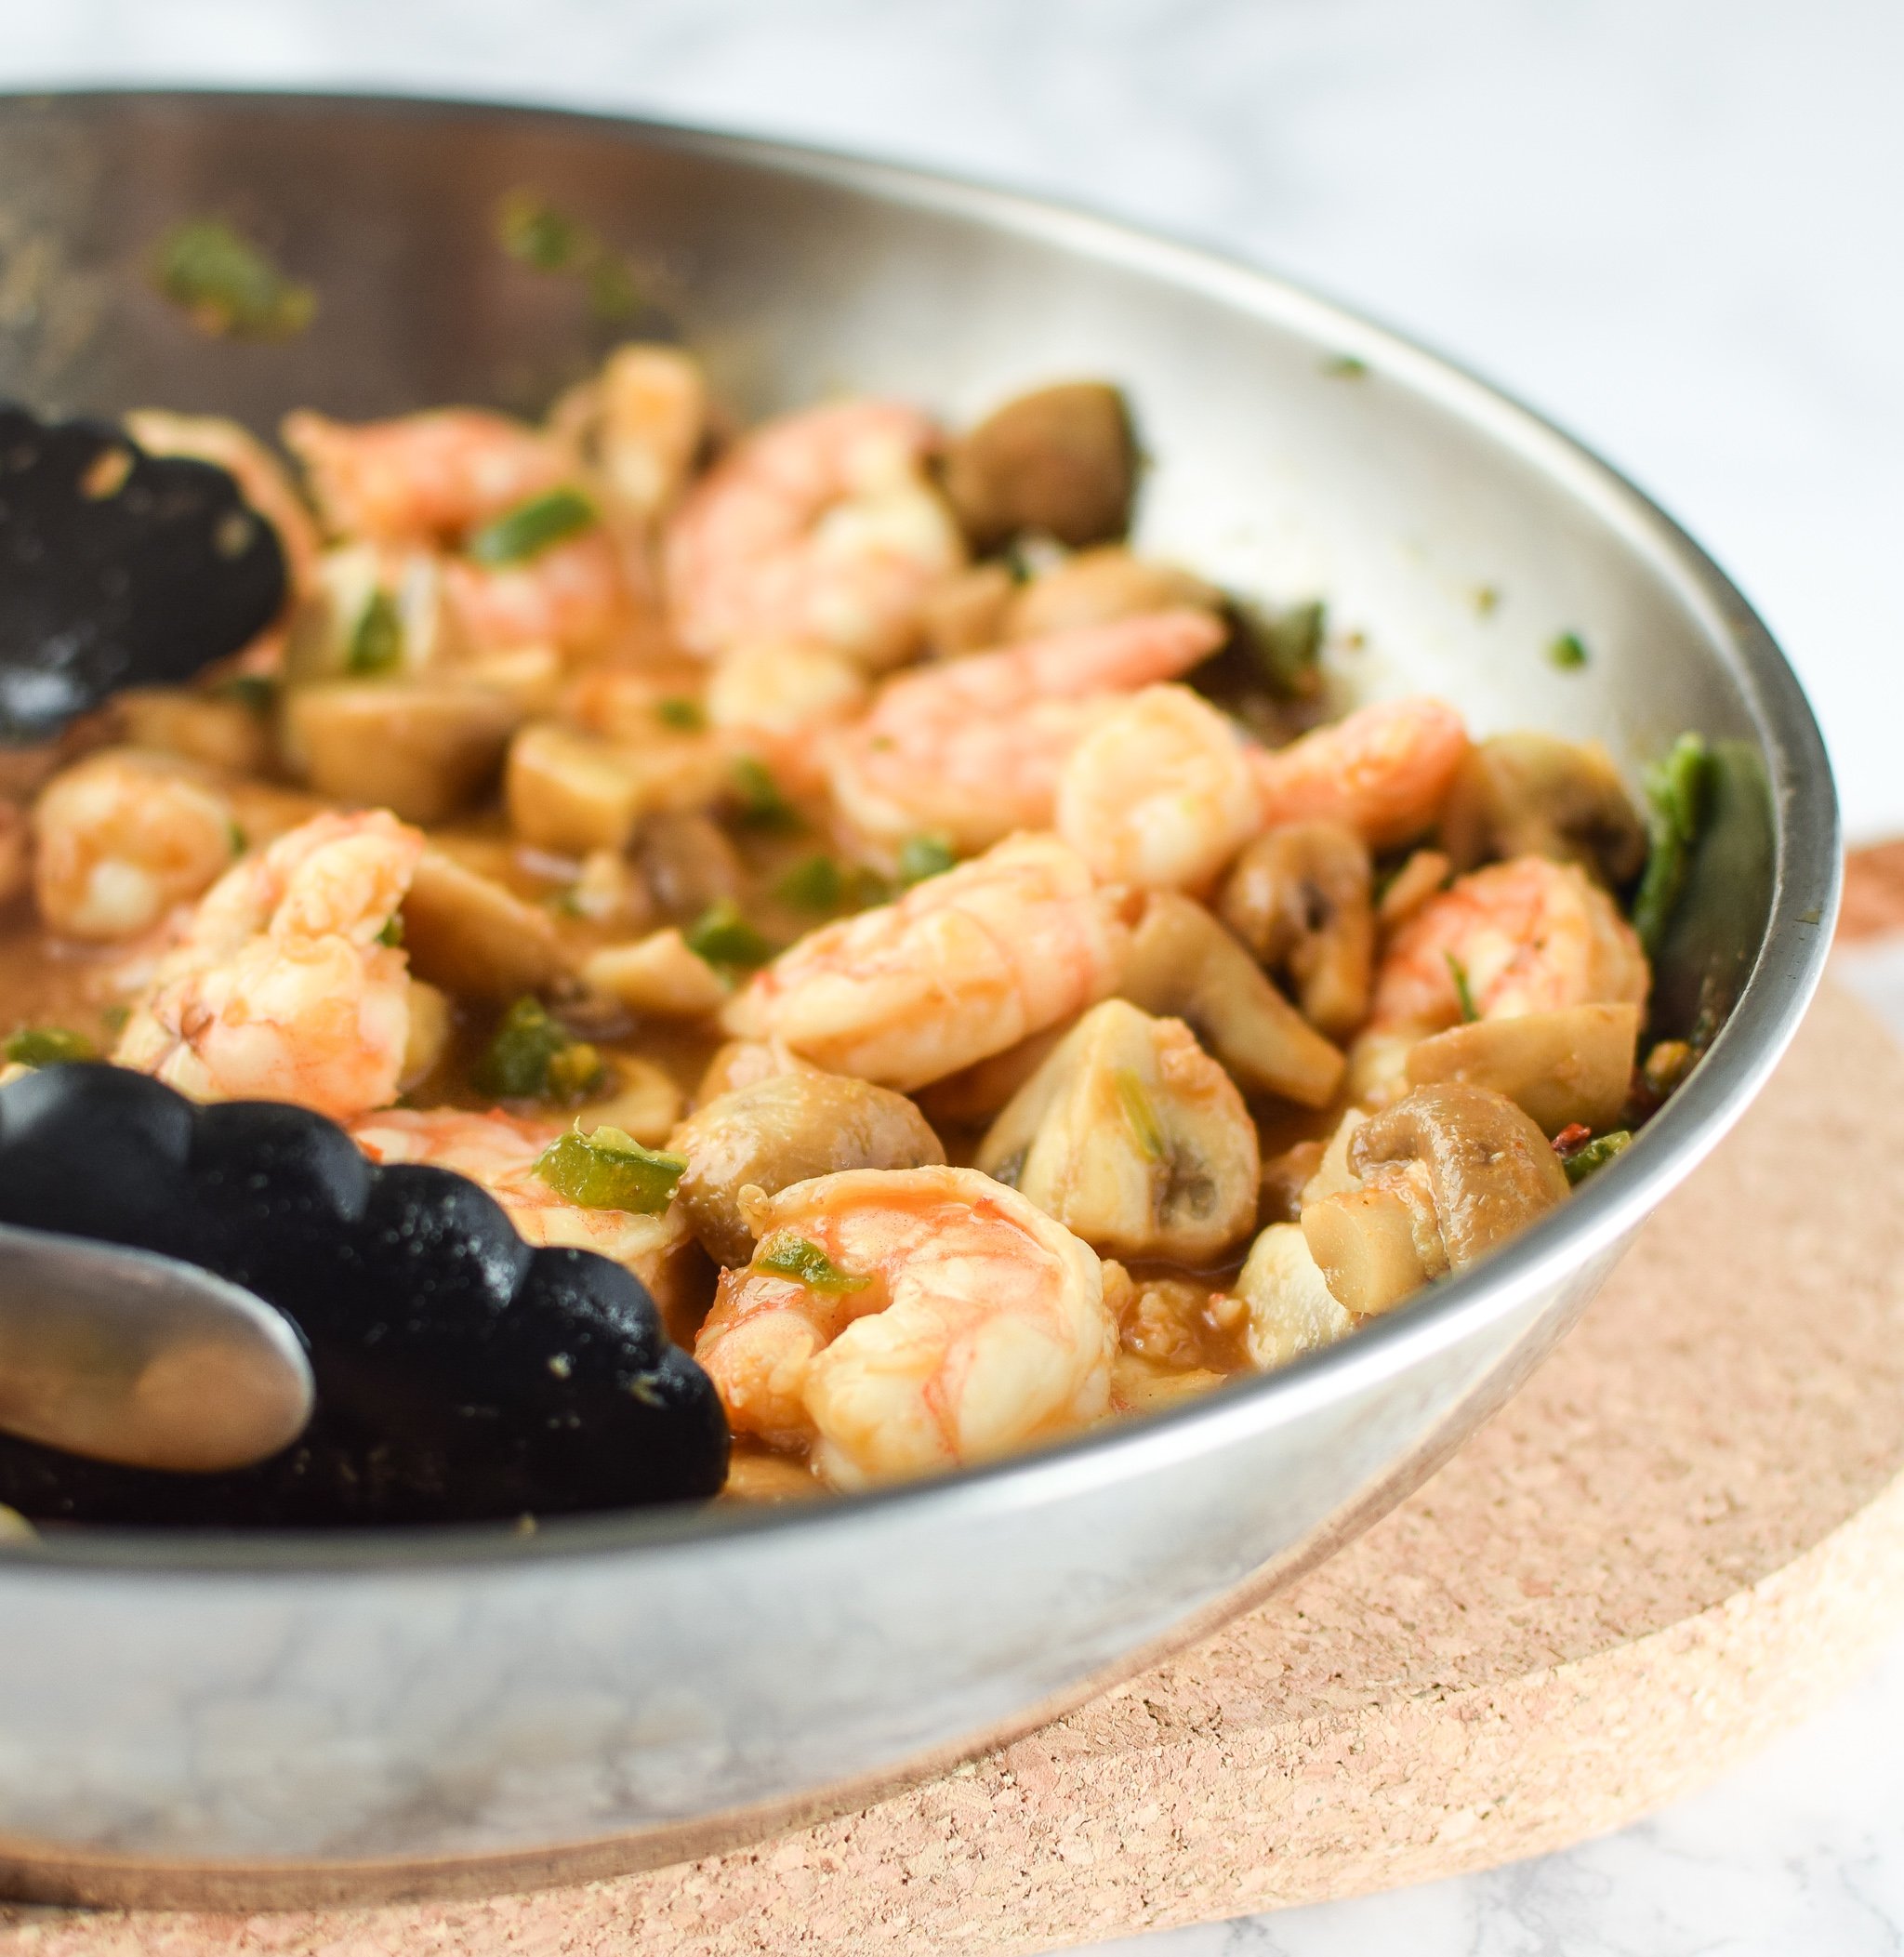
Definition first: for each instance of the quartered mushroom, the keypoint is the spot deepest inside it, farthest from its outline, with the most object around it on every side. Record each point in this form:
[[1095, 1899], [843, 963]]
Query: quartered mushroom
[[1445, 1174], [1536, 795], [117, 568], [1299, 897], [1133, 1138], [1570, 1066], [784, 1129], [1184, 964]]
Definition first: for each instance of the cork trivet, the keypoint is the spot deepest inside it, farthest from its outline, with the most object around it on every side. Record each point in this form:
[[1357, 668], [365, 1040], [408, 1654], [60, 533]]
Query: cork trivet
[[1683, 1535]]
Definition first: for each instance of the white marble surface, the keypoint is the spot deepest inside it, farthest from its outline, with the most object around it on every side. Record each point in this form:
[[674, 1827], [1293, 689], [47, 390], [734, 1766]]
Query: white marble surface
[[1672, 228]]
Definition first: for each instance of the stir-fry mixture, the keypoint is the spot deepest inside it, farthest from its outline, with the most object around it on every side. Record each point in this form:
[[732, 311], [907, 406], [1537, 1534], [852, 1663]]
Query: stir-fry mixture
[[952, 959]]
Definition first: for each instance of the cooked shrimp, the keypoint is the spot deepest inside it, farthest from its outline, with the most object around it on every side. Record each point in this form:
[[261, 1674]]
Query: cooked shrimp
[[1160, 794], [961, 967], [638, 427], [421, 478], [1384, 770], [500, 1152], [974, 749], [284, 987], [820, 526], [258, 473], [1529, 935], [948, 1322], [570, 595], [124, 836]]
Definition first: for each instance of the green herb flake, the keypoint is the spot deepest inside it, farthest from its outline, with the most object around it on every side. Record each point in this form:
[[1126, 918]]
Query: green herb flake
[[1568, 652], [1486, 600], [813, 883], [924, 856], [256, 692], [1580, 1163], [114, 1018], [788, 1255], [534, 1056], [377, 640], [609, 1169], [235, 835], [227, 285], [1345, 366], [1677, 791], [392, 932], [537, 234], [683, 715], [1465, 995], [531, 528], [46, 1045], [1134, 1099], [725, 940], [761, 804]]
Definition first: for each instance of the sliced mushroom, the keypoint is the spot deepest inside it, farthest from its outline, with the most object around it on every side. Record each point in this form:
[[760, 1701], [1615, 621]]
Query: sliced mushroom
[[656, 975], [1535, 794], [740, 1063], [1095, 587], [1572, 1066], [1448, 1173], [1062, 461], [372, 612], [1133, 1138], [1425, 874], [977, 1093], [423, 748], [1182, 962], [636, 1097], [1291, 1308], [968, 613], [687, 862], [428, 1037], [576, 792], [468, 935], [784, 1129], [1299, 897]]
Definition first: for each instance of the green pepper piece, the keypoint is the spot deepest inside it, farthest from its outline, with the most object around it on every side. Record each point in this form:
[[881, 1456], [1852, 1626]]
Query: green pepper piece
[[924, 856], [46, 1045], [726, 940], [377, 640], [1567, 651], [1581, 1162], [761, 804], [609, 1169], [813, 883], [788, 1255], [534, 1056], [228, 286], [1464, 993], [683, 715], [1678, 790], [531, 528], [392, 932], [256, 691], [530, 228]]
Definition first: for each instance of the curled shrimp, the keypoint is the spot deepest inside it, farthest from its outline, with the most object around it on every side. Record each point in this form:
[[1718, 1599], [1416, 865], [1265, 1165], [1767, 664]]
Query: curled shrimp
[[284, 987], [973, 748], [961, 967], [1160, 794], [122, 837], [947, 1322], [421, 478], [1527, 935], [1383, 771], [500, 1152], [819, 526]]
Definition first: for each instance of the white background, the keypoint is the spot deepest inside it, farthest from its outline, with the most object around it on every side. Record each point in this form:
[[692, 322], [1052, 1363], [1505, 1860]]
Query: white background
[[1676, 226]]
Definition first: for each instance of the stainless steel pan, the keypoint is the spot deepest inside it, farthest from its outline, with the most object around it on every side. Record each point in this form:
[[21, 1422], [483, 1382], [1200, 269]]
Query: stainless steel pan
[[248, 1720]]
